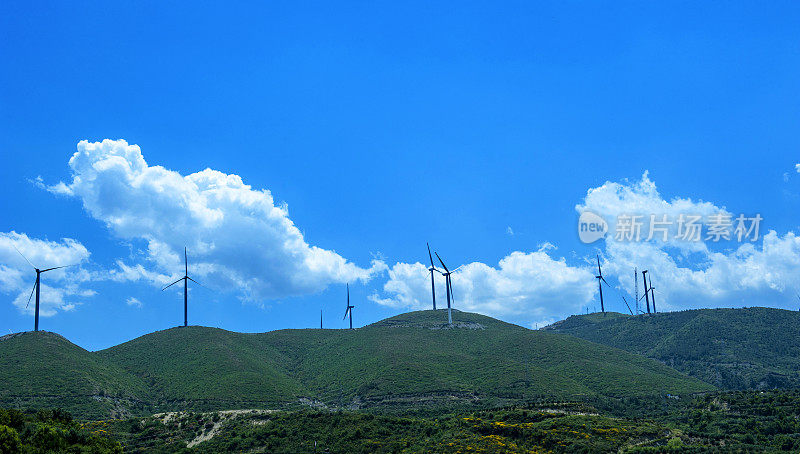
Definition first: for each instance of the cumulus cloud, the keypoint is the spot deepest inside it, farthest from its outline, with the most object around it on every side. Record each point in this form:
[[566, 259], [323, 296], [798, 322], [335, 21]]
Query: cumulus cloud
[[61, 290], [616, 201], [529, 286], [238, 237], [691, 274], [797, 167]]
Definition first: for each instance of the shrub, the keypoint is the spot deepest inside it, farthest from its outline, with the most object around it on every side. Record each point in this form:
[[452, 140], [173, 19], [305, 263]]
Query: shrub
[[9, 440]]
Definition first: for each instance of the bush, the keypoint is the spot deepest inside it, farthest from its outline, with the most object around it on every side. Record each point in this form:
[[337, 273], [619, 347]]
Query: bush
[[9, 440]]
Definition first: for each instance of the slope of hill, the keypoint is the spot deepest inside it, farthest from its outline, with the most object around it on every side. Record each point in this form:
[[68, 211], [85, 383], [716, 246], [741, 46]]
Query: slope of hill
[[207, 368], [416, 354], [749, 348], [42, 369], [410, 361]]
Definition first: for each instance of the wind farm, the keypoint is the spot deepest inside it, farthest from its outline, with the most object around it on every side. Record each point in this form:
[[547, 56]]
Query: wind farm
[[303, 153], [419, 363]]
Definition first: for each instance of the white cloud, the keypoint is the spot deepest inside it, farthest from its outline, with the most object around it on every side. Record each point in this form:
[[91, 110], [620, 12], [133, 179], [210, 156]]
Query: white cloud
[[641, 198], [531, 286], [133, 302], [690, 274], [59, 288], [509, 231], [238, 237], [797, 167]]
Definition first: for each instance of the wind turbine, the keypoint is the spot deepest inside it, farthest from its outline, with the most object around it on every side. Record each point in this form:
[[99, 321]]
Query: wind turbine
[[646, 290], [185, 280], [600, 280], [449, 286], [432, 269], [349, 308], [37, 287], [652, 293]]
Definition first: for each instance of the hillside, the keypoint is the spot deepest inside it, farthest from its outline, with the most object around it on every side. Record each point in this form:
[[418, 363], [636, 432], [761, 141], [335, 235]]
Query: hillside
[[749, 348], [718, 422], [195, 365], [42, 369], [416, 354], [409, 361]]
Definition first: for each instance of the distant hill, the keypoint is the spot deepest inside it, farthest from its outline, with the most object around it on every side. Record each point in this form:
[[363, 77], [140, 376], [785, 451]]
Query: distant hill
[[409, 361], [749, 348]]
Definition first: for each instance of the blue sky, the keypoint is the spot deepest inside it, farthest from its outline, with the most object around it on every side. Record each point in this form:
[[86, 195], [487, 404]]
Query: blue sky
[[376, 127]]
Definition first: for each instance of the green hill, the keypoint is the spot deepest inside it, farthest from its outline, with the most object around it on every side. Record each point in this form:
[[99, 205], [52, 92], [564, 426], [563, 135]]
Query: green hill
[[416, 356], [410, 361], [207, 368], [42, 369], [749, 348]]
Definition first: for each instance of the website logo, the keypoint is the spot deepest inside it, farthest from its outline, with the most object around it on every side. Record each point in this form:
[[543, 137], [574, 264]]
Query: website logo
[[591, 227]]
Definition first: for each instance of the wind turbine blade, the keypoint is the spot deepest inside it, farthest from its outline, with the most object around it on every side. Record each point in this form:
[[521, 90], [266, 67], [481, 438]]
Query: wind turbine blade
[[626, 303], [58, 267], [348, 295], [26, 258], [201, 285], [170, 285], [429, 254], [345, 313], [186, 260], [604, 280], [460, 266], [440, 261], [599, 272], [29, 298]]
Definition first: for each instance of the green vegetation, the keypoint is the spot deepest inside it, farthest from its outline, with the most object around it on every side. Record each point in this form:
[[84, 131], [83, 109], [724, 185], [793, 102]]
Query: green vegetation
[[410, 361], [41, 369], [716, 422], [750, 348], [48, 431]]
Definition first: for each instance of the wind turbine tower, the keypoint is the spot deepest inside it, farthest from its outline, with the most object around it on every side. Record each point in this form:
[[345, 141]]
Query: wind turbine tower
[[636, 288], [600, 281], [185, 280], [449, 287], [646, 291], [432, 269], [349, 309]]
